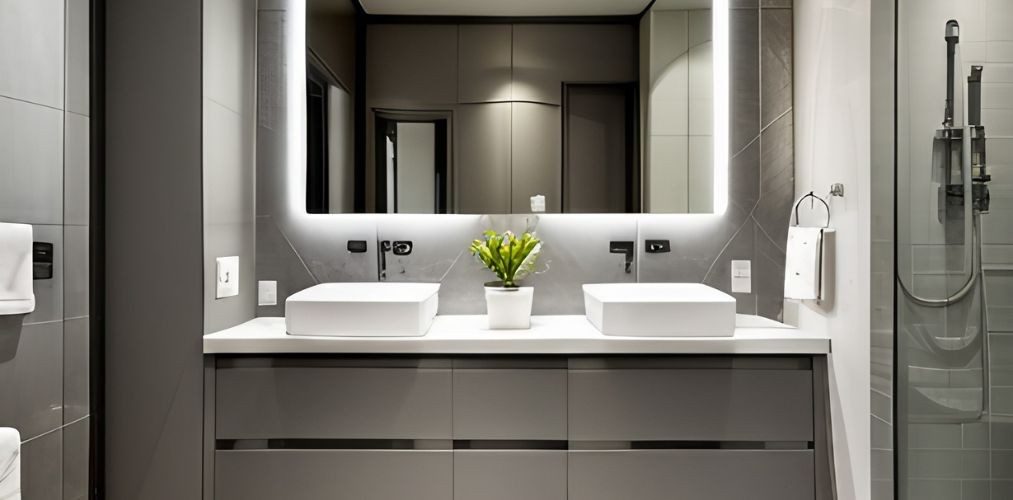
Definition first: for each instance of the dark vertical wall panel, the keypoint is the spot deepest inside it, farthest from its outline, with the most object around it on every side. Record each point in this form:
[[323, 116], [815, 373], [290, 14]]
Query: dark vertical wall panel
[[153, 250], [537, 156], [485, 62], [482, 172]]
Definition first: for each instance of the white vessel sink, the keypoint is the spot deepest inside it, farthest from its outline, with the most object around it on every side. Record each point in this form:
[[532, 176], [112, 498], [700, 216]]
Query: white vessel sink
[[660, 310], [363, 309]]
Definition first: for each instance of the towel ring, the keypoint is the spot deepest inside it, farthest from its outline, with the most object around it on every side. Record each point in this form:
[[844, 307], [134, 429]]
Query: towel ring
[[811, 195]]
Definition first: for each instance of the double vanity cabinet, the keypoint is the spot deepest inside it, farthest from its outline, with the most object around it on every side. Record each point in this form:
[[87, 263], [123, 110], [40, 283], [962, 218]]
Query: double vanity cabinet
[[498, 416]]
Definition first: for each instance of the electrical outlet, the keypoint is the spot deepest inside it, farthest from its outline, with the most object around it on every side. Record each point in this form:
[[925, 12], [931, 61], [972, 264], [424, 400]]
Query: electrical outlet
[[742, 276], [267, 293], [228, 277]]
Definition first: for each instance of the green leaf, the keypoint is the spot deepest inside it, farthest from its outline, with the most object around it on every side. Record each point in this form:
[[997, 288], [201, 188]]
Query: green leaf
[[510, 258]]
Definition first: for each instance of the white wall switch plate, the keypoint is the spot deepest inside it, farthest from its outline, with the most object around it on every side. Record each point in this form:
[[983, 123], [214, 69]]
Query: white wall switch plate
[[267, 293], [228, 277], [742, 276]]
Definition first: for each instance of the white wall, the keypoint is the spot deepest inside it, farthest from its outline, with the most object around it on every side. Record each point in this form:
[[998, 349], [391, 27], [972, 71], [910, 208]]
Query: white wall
[[832, 109], [229, 151]]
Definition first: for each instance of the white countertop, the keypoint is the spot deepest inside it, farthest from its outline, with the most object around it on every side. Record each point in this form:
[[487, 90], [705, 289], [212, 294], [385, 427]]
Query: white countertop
[[548, 335]]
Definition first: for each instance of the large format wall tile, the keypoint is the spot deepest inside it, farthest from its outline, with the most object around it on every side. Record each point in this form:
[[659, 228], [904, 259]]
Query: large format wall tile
[[44, 181], [76, 164], [744, 178], [76, 451], [31, 376], [768, 277], [42, 467], [76, 375], [744, 98], [31, 161], [75, 271], [775, 64], [78, 57], [777, 180], [31, 51], [229, 62]]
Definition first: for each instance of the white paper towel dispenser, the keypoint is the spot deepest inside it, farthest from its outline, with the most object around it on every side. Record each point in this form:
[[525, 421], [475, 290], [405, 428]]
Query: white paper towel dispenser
[[16, 295]]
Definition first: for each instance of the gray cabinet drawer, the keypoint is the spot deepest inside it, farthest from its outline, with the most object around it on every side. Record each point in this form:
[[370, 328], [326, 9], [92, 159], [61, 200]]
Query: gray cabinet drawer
[[691, 474], [509, 475], [690, 404], [510, 404], [333, 402], [333, 474]]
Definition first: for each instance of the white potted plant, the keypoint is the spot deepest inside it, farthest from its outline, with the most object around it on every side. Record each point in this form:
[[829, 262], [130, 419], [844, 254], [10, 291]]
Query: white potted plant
[[511, 259]]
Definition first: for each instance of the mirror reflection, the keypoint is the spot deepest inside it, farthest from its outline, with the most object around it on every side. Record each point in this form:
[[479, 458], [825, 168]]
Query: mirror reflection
[[482, 107]]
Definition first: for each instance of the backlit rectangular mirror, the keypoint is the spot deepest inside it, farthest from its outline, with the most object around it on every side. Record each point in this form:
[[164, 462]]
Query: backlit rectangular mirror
[[486, 107]]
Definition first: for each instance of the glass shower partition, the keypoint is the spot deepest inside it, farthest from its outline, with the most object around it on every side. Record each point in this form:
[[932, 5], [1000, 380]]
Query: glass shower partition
[[953, 344]]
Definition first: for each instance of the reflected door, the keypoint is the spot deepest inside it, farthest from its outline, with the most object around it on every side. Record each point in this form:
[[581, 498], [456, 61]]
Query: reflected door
[[600, 154]]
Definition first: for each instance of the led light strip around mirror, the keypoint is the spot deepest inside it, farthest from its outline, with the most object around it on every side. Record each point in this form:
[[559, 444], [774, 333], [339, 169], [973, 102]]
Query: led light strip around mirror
[[295, 57]]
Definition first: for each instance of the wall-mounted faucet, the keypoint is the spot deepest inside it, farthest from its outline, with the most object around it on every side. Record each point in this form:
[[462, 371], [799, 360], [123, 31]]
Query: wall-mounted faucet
[[625, 248], [400, 248]]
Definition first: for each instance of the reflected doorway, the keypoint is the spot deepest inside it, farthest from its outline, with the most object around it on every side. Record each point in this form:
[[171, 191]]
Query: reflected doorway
[[412, 164]]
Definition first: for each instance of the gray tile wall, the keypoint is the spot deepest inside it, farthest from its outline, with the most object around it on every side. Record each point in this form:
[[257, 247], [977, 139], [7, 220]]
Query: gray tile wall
[[297, 250], [229, 150], [44, 172]]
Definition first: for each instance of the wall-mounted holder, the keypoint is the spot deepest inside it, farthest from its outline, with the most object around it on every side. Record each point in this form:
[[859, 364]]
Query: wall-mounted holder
[[837, 190], [808, 254]]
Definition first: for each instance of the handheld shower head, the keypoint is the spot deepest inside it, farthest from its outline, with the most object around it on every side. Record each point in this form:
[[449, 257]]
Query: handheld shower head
[[952, 31], [952, 39]]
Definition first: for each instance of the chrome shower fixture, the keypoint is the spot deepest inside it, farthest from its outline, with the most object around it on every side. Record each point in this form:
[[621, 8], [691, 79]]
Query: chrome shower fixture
[[949, 144]]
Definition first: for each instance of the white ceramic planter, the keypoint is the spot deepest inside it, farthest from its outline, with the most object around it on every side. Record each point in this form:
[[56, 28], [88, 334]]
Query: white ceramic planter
[[509, 308]]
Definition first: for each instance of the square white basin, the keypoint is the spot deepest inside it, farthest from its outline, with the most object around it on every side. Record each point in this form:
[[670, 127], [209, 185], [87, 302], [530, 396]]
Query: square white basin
[[660, 310], [363, 309]]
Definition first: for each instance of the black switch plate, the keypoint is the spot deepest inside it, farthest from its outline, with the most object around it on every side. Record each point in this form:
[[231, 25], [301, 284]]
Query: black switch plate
[[42, 260], [357, 246], [657, 246]]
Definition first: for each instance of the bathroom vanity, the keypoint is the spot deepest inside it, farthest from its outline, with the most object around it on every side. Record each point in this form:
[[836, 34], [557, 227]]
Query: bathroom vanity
[[552, 413]]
